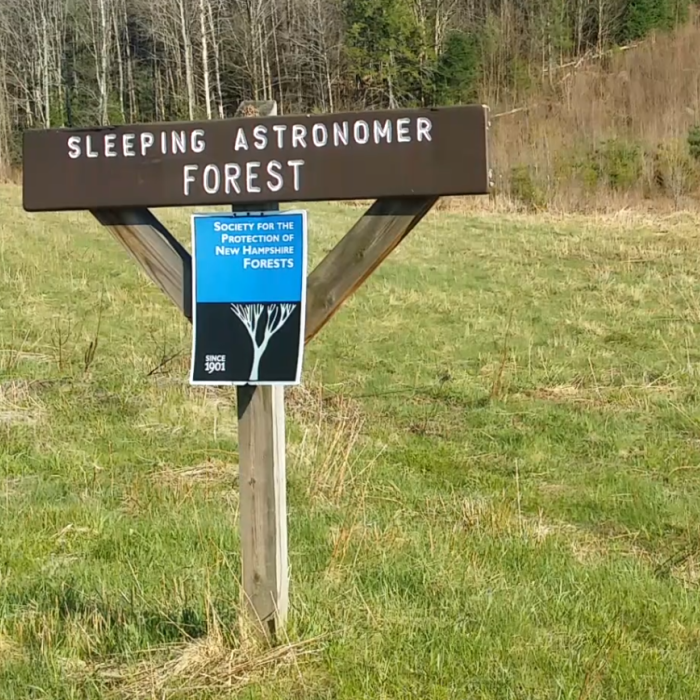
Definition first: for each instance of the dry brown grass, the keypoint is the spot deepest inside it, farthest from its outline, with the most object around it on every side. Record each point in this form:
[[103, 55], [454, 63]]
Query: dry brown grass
[[9, 651], [649, 95], [209, 665], [18, 403], [212, 471], [331, 452]]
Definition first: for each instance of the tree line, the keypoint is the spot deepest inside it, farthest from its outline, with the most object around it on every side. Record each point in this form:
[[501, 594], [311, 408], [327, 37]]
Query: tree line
[[90, 62]]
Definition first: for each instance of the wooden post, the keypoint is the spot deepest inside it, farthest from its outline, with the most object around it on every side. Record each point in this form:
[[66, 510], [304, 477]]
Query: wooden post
[[262, 483], [261, 412], [263, 507], [450, 155]]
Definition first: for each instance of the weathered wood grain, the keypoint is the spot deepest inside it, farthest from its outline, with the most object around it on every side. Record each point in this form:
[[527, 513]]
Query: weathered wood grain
[[263, 506], [262, 484], [358, 254], [261, 412], [159, 254]]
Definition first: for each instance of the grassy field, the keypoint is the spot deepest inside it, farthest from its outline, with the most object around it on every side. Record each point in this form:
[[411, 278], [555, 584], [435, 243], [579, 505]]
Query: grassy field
[[494, 472]]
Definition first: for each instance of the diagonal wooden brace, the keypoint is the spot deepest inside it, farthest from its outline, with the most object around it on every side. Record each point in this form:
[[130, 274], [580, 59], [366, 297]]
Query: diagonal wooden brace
[[358, 254], [159, 254], [344, 269], [261, 418]]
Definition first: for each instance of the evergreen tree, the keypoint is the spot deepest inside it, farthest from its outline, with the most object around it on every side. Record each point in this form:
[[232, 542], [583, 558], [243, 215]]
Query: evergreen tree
[[383, 48], [457, 70], [641, 17]]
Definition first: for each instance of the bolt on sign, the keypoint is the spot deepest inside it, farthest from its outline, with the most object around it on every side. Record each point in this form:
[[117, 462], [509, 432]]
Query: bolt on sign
[[249, 293], [283, 159]]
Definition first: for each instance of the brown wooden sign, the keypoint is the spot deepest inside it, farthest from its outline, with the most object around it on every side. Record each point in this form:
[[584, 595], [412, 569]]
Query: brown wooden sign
[[404, 159], [356, 155]]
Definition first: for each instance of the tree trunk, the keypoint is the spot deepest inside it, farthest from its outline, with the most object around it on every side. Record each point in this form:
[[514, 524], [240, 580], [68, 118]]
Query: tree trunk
[[203, 4], [120, 65], [5, 124], [217, 62], [103, 62], [158, 89], [46, 88], [131, 88], [187, 48]]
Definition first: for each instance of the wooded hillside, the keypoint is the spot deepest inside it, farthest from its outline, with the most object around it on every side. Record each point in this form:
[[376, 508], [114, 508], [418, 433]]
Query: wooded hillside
[[80, 62]]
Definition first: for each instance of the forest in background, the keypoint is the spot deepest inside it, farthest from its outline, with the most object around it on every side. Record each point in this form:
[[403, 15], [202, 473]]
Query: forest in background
[[575, 111]]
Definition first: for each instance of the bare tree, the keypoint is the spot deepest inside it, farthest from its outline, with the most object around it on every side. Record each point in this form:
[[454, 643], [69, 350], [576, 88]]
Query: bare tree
[[250, 315], [99, 15], [5, 120], [204, 12], [319, 51], [251, 27], [185, 22], [214, 22]]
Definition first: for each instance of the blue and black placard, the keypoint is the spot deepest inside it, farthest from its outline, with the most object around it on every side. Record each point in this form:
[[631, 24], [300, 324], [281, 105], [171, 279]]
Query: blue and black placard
[[249, 297]]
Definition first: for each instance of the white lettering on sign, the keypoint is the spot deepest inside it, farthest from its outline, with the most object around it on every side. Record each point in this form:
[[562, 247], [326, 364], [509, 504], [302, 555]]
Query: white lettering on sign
[[260, 134], [178, 142], [345, 133], [241, 142], [211, 179], [74, 147], [214, 363], [128, 145], [319, 134], [402, 126], [258, 251], [274, 170], [267, 263], [382, 131], [267, 175], [239, 227], [268, 250], [147, 140], [109, 145], [88, 148], [341, 134], [250, 177], [280, 129], [361, 132], [254, 257], [174, 142], [298, 136]]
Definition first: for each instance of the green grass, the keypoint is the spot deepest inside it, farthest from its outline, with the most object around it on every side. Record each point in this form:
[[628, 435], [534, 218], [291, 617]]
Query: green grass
[[493, 466]]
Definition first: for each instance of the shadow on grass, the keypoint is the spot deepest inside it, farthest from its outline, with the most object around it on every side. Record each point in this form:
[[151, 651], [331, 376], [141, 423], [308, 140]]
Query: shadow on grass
[[123, 625]]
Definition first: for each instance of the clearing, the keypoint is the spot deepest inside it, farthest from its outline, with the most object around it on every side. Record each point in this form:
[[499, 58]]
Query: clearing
[[494, 472]]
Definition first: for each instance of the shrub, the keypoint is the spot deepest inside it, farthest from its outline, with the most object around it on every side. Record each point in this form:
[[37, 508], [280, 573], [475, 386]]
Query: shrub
[[675, 172], [617, 163], [457, 70], [641, 17], [525, 189], [694, 142]]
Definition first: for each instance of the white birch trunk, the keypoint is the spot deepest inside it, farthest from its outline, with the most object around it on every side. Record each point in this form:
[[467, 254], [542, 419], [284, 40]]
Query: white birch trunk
[[203, 4], [120, 65], [187, 48], [5, 123], [217, 63], [131, 88], [45, 71], [103, 62]]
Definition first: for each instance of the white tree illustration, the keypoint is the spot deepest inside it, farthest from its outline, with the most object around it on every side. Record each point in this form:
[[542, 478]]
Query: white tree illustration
[[250, 315]]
